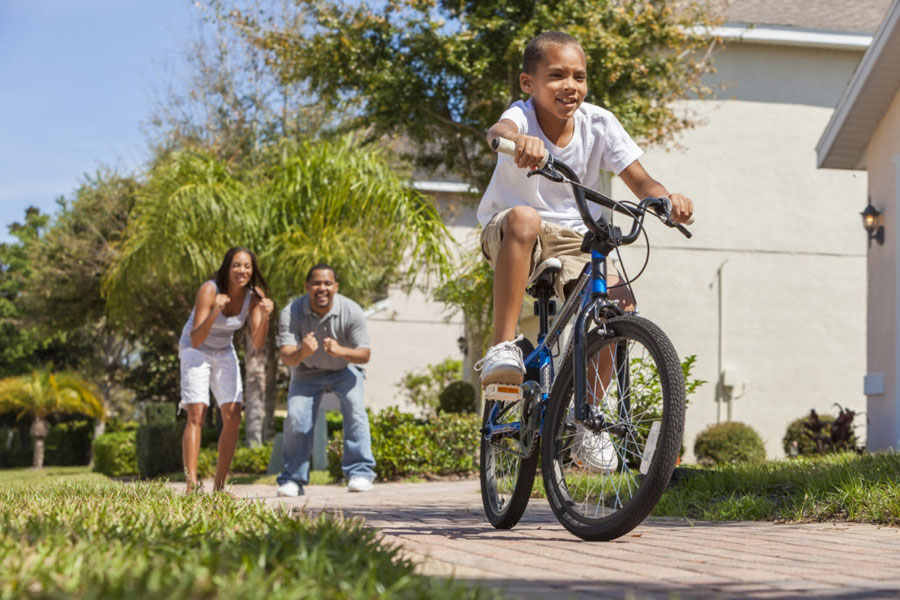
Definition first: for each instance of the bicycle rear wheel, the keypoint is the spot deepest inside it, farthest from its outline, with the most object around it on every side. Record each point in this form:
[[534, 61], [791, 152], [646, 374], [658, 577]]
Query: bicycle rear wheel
[[603, 480], [507, 466]]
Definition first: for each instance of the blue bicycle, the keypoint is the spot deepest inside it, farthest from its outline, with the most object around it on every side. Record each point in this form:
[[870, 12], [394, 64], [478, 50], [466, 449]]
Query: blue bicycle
[[609, 423]]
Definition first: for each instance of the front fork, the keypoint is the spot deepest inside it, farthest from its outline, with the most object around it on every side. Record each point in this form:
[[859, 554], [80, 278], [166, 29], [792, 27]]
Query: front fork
[[594, 310]]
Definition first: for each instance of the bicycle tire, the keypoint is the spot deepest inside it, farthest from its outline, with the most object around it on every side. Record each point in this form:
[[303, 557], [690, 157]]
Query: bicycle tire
[[602, 483], [507, 477], [506, 481]]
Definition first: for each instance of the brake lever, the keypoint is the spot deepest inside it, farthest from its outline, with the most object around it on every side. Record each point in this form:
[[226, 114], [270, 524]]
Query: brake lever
[[548, 171], [664, 211]]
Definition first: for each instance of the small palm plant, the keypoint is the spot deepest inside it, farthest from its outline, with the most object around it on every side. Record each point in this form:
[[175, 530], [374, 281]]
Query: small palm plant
[[42, 394]]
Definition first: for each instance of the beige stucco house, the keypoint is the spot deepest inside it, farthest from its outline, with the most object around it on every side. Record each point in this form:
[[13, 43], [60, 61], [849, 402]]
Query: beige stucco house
[[864, 135], [764, 293]]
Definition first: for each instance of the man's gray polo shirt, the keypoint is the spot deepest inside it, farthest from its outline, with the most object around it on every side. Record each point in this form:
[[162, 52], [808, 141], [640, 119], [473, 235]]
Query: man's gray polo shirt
[[345, 322]]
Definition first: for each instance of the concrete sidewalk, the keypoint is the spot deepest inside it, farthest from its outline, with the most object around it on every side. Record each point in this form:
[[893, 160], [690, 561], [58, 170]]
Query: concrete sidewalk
[[442, 527]]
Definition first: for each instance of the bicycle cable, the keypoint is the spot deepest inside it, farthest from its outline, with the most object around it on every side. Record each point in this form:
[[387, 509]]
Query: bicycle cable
[[626, 281]]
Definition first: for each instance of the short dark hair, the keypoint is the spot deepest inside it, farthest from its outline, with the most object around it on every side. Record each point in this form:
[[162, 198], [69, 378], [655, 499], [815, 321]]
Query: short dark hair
[[321, 267], [257, 281], [537, 48]]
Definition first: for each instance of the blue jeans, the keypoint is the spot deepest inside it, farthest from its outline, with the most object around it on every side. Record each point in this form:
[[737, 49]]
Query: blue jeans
[[304, 397]]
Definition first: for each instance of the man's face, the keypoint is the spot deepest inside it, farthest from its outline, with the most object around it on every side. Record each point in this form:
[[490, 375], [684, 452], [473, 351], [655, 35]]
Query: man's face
[[321, 287], [559, 83]]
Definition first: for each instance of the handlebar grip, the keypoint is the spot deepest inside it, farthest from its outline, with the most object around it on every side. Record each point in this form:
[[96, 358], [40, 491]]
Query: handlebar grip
[[507, 146]]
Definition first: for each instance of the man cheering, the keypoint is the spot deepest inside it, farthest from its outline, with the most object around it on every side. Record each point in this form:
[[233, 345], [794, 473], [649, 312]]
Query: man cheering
[[322, 337]]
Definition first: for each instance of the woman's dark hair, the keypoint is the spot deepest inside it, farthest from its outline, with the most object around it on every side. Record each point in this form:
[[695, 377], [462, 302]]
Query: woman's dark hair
[[537, 48], [256, 278], [321, 267]]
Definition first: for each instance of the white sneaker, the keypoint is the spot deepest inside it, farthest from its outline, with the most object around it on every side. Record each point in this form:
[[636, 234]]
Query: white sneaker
[[290, 489], [502, 363], [594, 451], [359, 484]]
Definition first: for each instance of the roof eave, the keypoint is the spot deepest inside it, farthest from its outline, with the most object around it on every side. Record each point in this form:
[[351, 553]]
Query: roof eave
[[860, 109], [790, 36]]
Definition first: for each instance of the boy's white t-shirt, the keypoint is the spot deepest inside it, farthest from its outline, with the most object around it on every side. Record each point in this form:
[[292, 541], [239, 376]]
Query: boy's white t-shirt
[[599, 143]]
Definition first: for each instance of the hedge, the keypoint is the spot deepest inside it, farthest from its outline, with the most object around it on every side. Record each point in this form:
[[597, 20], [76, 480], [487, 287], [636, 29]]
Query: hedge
[[115, 454], [404, 445]]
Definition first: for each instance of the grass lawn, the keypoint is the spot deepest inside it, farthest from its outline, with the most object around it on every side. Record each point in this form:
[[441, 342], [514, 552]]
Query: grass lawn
[[66, 532], [837, 487]]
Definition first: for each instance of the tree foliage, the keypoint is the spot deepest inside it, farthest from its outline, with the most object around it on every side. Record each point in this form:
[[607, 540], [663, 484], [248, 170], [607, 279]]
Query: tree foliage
[[440, 72], [22, 344], [62, 294], [228, 100], [336, 201]]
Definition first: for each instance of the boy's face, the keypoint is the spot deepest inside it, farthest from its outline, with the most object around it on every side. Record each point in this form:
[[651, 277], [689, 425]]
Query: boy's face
[[559, 83]]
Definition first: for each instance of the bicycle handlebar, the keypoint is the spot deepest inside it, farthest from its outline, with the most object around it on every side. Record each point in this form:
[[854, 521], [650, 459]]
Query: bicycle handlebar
[[551, 168]]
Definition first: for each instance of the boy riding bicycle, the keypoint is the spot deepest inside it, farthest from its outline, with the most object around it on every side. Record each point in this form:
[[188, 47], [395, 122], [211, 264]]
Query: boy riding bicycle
[[528, 220]]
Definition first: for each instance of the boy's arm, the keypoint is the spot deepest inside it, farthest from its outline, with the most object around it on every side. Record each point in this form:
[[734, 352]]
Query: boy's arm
[[639, 181], [530, 150]]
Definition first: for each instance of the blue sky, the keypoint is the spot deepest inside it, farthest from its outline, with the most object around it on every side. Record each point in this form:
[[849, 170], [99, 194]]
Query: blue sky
[[78, 79]]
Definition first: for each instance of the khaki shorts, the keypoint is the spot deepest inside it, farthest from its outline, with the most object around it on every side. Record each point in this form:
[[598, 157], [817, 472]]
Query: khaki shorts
[[554, 241]]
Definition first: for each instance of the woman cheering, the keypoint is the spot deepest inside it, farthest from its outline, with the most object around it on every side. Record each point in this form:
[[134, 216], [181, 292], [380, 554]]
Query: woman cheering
[[209, 361]]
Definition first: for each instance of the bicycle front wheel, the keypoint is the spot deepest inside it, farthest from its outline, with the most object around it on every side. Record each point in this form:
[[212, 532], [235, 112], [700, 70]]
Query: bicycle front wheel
[[507, 464], [604, 476]]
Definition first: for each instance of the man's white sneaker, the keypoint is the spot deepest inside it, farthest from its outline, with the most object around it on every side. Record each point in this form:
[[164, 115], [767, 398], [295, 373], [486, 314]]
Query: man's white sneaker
[[359, 484], [502, 363], [290, 489], [594, 451]]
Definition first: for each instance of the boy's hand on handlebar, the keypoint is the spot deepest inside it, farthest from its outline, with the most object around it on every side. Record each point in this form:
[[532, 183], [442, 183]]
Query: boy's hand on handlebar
[[530, 151], [682, 208]]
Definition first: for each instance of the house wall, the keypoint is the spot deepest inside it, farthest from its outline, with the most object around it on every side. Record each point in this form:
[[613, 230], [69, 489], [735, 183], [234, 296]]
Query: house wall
[[883, 360], [414, 331], [790, 248]]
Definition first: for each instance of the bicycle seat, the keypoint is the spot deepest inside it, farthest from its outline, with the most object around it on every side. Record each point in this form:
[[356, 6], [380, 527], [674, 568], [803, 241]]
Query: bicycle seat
[[545, 274]]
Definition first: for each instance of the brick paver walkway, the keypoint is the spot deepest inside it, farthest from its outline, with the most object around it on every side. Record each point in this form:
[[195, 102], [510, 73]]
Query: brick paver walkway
[[442, 527]]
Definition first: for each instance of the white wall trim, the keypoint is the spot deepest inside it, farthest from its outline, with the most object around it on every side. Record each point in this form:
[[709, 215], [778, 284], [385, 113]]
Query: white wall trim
[[450, 187], [896, 428], [791, 36]]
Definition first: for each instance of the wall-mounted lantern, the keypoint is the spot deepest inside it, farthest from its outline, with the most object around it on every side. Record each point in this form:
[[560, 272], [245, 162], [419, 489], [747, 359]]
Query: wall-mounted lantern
[[872, 222], [463, 344]]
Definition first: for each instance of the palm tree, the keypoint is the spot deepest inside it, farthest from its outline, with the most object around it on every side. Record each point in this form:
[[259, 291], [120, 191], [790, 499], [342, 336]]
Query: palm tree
[[43, 394], [336, 201]]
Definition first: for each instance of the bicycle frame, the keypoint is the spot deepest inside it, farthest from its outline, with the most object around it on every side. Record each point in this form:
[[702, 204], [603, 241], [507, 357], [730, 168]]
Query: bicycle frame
[[590, 295]]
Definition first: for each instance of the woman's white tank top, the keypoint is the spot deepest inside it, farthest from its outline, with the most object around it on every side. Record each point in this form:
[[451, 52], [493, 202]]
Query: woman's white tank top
[[221, 333]]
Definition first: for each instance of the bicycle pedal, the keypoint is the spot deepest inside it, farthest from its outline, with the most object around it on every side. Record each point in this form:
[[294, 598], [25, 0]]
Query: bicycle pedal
[[502, 392]]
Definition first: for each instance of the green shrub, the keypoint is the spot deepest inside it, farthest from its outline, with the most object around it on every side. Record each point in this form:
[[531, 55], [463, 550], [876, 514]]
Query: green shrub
[[423, 388], [159, 413], [334, 422], [159, 449], [206, 462], [404, 446], [820, 434], [114, 425], [69, 443], [458, 397], [278, 424], [209, 437], [16, 449], [252, 460], [115, 454], [729, 442]]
